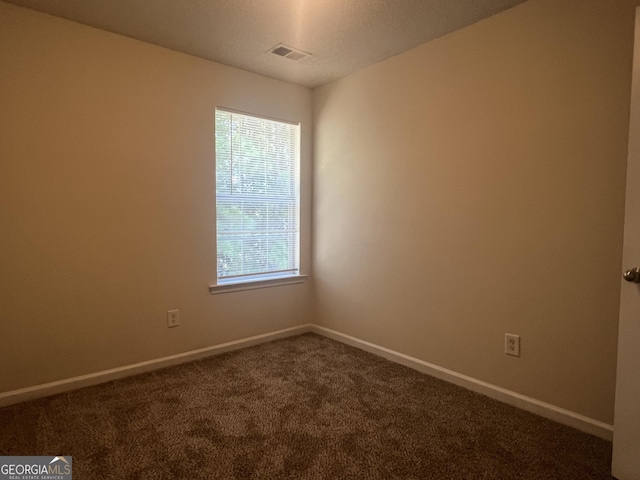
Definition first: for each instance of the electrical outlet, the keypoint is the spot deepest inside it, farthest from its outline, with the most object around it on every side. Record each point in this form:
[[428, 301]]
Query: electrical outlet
[[173, 318], [512, 344]]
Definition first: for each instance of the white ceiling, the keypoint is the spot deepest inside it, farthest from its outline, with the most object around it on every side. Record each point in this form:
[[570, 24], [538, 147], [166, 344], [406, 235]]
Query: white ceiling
[[342, 35]]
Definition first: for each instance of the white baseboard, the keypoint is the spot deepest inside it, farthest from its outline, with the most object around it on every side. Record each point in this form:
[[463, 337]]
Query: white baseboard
[[560, 415], [552, 412], [61, 386]]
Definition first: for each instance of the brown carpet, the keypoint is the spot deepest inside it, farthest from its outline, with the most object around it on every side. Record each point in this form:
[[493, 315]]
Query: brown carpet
[[302, 408]]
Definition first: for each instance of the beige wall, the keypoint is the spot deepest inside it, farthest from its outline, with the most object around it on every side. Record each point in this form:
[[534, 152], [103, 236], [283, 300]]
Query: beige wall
[[107, 215], [475, 186]]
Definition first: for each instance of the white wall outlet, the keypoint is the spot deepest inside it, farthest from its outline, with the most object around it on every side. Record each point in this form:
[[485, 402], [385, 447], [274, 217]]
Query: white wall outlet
[[173, 318], [512, 344]]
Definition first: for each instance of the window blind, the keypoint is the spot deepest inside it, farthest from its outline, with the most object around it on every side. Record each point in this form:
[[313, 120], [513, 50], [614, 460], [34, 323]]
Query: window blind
[[257, 197]]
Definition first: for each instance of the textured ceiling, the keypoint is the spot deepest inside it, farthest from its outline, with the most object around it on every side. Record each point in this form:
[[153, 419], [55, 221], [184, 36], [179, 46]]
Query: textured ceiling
[[342, 35]]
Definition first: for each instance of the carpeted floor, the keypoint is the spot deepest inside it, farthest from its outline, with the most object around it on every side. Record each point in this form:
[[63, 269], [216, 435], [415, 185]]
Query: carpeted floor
[[301, 408]]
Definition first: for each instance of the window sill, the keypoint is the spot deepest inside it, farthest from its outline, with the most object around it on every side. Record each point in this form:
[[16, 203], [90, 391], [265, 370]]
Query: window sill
[[253, 284]]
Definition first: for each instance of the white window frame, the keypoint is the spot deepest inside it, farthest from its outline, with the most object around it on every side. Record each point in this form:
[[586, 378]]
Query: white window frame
[[268, 279]]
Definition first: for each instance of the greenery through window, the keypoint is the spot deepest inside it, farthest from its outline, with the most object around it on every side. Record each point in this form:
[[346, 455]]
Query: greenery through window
[[257, 197]]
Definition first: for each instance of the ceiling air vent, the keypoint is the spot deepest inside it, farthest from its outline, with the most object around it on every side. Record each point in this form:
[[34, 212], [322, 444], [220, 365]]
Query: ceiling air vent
[[288, 52]]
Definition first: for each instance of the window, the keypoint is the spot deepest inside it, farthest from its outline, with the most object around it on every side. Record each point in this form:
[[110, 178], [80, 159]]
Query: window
[[257, 198]]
